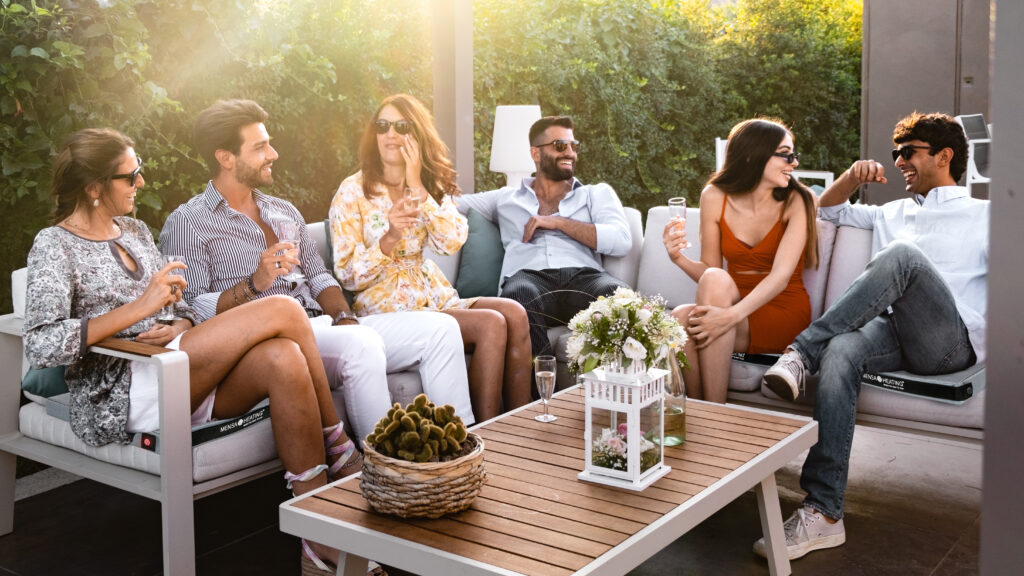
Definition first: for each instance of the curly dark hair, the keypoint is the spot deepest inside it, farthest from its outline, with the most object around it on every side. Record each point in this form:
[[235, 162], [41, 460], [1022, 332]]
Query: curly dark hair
[[939, 131]]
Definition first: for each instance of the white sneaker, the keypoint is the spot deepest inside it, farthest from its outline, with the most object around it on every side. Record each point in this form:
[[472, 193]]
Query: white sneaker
[[786, 376], [806, 530]]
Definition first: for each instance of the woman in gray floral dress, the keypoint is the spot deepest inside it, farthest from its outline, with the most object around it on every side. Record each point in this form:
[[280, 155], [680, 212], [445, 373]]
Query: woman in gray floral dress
[[97, 274]]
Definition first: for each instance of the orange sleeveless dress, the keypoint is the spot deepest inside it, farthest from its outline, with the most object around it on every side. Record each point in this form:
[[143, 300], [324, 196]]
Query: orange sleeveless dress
[[776, 324]]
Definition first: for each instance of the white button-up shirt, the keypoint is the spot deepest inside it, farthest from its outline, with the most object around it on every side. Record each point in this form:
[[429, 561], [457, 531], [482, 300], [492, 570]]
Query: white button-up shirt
[[950, 227], [512, 208]]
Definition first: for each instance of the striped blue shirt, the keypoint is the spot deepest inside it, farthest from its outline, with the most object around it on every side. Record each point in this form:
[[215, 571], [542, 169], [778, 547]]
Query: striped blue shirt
[[222, 246]]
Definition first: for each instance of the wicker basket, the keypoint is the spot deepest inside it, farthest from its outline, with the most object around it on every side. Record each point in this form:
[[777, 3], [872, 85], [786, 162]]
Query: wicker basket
[[422, 489]]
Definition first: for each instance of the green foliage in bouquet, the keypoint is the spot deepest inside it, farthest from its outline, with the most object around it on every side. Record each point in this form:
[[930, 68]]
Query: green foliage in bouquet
[[420, 432]]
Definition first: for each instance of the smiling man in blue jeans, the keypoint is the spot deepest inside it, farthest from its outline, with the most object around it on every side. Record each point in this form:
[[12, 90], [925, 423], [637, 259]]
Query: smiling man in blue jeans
[[919, 306]]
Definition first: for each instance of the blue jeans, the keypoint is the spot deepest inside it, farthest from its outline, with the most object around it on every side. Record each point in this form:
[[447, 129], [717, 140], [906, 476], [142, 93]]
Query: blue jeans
[[923, 334]]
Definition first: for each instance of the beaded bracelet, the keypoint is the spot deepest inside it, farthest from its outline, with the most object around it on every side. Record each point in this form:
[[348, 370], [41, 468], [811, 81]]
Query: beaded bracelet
[[252, 287]]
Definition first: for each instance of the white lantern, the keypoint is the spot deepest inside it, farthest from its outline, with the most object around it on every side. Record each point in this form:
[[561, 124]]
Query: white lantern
[[624, 428]]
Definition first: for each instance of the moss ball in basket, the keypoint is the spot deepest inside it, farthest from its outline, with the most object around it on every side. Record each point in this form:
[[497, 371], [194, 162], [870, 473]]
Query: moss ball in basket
[[420, 461]]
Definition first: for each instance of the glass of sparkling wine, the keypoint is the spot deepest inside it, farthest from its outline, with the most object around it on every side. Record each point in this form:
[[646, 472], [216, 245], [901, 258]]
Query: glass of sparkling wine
[[288, 230], [166, 315], [544, 369], [677, 212]]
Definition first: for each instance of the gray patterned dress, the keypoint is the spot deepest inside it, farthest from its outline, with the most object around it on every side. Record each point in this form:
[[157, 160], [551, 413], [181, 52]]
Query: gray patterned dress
[[72, 279]]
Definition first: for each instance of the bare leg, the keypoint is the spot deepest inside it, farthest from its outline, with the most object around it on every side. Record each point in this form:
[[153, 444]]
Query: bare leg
[[515, 391], [484, 334], [217, 345], [716, 288]]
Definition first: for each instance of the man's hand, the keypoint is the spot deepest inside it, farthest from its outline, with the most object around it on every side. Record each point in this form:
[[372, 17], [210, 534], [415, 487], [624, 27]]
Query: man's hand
[[549, 222], [867, 171], [273, 264]]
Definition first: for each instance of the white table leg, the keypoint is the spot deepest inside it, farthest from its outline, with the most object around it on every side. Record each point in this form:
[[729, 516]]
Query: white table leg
[[351, 565], [771, 526]]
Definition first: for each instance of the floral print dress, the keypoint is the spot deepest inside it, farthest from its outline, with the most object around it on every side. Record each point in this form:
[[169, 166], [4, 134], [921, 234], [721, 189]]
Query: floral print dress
[[70, 280], [405, 280]]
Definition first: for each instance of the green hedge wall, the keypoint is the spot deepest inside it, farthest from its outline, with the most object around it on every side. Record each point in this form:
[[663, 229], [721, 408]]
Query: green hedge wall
[[650, 84]]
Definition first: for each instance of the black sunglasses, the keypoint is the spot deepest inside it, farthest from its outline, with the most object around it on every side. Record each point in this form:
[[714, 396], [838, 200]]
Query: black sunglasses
[[133, 176], [908, 151], [561, 145], [403, 127], [789, 157]]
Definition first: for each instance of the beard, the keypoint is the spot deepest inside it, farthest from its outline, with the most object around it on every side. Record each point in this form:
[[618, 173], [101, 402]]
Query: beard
[[550, 168], [251, 176]]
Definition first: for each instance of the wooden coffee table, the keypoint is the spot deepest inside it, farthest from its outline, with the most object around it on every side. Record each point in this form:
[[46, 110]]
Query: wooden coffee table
[[534, 516]]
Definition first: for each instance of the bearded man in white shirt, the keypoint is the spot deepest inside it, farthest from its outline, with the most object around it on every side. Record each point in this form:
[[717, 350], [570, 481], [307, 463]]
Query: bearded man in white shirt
[[919, 306], [554, 229]]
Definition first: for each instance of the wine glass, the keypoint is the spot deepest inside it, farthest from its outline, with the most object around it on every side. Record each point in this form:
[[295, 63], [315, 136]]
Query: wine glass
[[166, 314], [544, 370], [288, 230], [677, 211]]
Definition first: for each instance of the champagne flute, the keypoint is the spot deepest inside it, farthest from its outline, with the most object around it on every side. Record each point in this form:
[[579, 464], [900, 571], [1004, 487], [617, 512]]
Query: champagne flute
[[412, 198], [288, 230], [677, 211], [166, 314], [544, 370]]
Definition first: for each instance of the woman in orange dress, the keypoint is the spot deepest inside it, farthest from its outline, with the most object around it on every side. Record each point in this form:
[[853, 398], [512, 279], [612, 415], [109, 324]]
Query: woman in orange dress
[[761, 221]]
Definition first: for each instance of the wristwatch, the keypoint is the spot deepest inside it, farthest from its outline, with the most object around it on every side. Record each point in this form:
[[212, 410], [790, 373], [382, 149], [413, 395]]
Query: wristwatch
[[347, 315]]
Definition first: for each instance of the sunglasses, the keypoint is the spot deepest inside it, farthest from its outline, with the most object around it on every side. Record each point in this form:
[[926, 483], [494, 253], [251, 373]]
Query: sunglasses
[[561, 145], [402, 127], [789, 157], [133, 176], [907, 151]]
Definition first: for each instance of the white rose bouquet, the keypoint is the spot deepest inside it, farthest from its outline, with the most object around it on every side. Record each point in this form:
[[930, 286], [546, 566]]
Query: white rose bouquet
[[626, 323]]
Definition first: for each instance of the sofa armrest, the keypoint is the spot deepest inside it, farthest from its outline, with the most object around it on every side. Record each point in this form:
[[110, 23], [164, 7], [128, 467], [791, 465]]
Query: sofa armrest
[[627, 267]]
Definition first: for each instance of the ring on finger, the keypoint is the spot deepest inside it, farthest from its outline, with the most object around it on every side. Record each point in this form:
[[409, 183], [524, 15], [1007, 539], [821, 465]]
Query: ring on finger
[[277, 265]]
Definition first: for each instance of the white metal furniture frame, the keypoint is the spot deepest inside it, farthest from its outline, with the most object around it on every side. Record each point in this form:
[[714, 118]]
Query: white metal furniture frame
[[979, 143], [173, 487]]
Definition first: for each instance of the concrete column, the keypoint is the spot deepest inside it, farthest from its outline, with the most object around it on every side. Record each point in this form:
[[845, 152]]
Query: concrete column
[[1002, 505], [453, 83]]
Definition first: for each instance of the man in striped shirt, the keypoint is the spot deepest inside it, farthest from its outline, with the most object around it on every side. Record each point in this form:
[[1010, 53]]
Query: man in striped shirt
[[227, 237]]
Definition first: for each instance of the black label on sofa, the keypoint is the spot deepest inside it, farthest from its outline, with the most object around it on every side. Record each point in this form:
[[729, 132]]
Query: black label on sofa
[[759, 359], [221, 428], [928, 388]]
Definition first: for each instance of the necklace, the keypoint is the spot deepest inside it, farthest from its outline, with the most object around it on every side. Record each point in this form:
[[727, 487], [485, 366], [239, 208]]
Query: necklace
[[115, 229]]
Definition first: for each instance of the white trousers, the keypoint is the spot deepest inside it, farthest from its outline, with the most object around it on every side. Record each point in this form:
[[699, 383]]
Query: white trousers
[[358, 359]]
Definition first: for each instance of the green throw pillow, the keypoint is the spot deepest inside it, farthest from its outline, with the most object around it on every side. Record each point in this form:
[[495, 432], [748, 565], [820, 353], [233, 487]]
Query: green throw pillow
[[482, 255], [45, 382]]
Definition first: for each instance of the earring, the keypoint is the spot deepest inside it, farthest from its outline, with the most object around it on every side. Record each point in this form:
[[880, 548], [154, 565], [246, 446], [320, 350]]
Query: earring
[[95, 202]]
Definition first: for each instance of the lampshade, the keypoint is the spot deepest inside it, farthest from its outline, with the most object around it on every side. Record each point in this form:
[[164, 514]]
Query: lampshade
[[510, 143]]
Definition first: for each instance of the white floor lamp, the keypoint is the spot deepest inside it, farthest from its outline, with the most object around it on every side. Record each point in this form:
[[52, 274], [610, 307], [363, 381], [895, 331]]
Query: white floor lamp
[[510, 142]]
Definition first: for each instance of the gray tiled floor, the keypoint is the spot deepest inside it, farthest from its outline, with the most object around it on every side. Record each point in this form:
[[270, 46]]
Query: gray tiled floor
[[913, 508]]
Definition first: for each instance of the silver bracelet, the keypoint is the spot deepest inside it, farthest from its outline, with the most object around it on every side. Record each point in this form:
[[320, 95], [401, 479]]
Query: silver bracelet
[[347, 315]]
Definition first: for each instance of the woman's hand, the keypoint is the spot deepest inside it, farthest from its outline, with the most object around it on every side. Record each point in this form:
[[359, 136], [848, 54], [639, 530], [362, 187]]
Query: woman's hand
[[164, 289], [413, 162], [161, 334], [706, 323], [404, 215], [674, 238], [273, 264]]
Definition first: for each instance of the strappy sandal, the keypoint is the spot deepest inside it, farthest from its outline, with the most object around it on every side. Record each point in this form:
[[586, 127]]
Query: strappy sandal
[[350, 460]]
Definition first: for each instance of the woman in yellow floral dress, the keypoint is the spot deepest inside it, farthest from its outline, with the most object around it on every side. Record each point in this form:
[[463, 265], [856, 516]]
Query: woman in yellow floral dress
[[382, 218]]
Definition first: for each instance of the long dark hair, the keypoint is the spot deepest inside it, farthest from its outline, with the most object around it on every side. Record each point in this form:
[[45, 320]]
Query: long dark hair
[[439, 176], [751, 145], [90, 155]]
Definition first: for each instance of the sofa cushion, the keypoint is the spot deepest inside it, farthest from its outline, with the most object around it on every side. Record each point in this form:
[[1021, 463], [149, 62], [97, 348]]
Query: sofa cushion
[[851, 254], [482, 255], [42, 383], [657, 274]]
